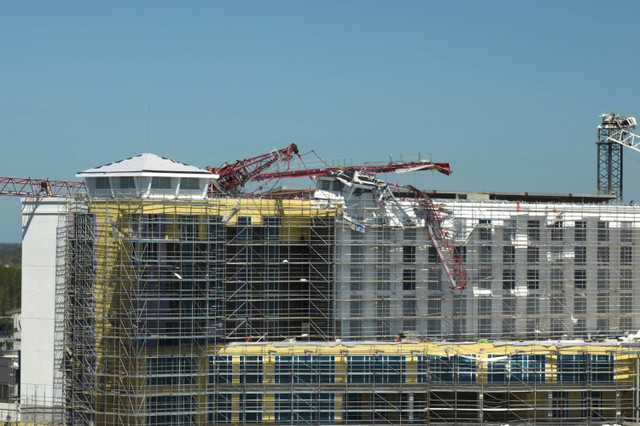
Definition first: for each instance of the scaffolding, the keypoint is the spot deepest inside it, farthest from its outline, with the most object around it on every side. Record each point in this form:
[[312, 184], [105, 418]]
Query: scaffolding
[[157, 295], [152, 288], [422, 383]]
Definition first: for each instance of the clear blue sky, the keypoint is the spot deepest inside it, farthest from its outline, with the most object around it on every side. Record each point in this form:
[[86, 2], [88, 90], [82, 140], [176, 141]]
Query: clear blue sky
[[508, 92]]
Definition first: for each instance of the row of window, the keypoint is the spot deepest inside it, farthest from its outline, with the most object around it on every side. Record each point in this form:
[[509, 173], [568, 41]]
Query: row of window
[[556, 231], [512, 368], [322, 407]]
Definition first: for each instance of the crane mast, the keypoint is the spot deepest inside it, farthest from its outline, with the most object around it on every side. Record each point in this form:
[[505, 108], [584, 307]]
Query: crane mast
[[613, 134]]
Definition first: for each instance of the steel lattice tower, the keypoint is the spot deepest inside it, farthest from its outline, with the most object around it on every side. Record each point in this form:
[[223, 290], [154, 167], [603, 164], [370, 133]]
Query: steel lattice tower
[[609, 163], [613, 135]]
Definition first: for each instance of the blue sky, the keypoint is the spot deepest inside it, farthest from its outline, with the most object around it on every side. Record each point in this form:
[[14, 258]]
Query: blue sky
[[508, 92]]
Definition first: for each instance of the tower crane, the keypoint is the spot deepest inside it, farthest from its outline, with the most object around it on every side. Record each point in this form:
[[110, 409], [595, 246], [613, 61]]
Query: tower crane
[[613, 134]]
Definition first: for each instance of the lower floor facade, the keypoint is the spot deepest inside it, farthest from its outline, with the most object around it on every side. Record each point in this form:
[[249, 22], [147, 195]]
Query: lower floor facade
[[572, 382]]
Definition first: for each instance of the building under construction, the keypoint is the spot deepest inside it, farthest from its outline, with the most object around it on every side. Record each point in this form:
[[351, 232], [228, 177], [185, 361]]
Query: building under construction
[[174, 300]]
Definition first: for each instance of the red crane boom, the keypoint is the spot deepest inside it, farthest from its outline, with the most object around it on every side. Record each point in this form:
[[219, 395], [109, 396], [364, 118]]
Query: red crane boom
[[390, 167], [29, 187], [234, 176], [442, 241]]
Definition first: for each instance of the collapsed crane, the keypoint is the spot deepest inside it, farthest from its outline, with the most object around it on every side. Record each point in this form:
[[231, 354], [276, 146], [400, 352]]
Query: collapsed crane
[[233, 177]]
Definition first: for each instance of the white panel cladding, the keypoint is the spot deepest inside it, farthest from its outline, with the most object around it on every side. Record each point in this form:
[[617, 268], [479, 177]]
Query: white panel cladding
[[40, 217]]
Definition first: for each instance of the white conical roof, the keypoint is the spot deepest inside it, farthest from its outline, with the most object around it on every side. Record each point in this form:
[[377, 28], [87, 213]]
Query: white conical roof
[[146, 163]]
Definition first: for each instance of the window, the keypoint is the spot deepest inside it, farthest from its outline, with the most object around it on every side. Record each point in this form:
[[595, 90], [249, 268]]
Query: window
[[408, 254], [626, 255], [102, 183], [376, 369], [356, 307], [356, 234], [557, 279], [433, 279], [188, 227], [509, 306], [626, 304], [603, 254], [580, 305], [508, 279], [243, 230], [383, 308], [533, 279], [508, 326], [382, 330], [556, 254], [560, 404], [432, 255], [533, 306], [580, 279], [603, 304], [557, 231], [484, 278], [508, 254], [485, 230], [356, 279], [127, 182], [409, 308], [408, 279], [160, 182], [533, 230], [485, 254], [484, 307], [409, 324], [582, 367], [509, 230], [356, 328], [517, 368], [434, 307], [626, 232], [272, 227], [533, 255], [384, 254], [580, 231], [602, 323], [410, 234], [189, 183], [356, 254], [384, 278], [603, 279], [626, 277], [459, 306], [603, 231], [484, 327], [557, 305], [434, 327], [581, 255]]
